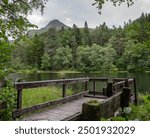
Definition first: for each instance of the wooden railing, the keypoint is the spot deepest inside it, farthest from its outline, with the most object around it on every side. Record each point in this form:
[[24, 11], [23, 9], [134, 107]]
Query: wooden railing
[[126, 82], [63, 82], [111, 89]]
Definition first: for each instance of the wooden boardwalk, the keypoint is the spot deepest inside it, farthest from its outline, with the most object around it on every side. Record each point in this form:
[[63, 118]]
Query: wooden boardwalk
[[116, 94], [61, 112]]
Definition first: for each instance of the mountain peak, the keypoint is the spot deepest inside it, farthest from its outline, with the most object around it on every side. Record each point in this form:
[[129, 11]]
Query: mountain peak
[[52, 24], [56, 24]]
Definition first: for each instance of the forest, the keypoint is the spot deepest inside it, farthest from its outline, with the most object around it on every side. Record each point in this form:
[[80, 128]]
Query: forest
[[102, 49]]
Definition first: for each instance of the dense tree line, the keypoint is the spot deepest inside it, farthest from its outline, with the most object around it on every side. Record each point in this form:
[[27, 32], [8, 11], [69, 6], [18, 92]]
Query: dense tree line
[[85, 49]]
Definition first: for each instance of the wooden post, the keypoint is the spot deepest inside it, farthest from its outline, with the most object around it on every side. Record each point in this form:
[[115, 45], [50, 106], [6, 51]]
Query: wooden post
[[19, 98], [135, 93], [86, 85], [91, 111], [94, 86], [126, 83], [64, 90], [109, 91], [125, 97]]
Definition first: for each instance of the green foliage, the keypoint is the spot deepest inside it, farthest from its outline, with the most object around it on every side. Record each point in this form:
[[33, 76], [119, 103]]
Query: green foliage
[[140, 112], [136, 56], [118, 118], [96, 58], [13, 21], [45, 65], [8, 94], [101, 49], [100, 3], [5, 51], [101, 35], [86, 35], [139, 29], [63, 58]]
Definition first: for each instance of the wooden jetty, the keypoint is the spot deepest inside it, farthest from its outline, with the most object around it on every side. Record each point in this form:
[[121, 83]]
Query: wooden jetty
[[116, 94]]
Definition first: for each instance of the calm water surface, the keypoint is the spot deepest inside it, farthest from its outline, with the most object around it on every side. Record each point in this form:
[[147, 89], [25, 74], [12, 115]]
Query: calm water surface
[[142, 79]]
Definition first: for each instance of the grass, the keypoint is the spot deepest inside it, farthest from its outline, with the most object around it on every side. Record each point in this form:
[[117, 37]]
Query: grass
[[43, 94]]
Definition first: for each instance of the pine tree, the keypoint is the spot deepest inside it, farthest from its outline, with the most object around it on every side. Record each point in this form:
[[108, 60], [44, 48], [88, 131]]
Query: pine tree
[[86, 35]]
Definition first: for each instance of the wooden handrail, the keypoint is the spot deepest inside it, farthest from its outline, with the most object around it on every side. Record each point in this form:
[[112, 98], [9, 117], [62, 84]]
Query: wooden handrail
[[102, 79], [34, 84]]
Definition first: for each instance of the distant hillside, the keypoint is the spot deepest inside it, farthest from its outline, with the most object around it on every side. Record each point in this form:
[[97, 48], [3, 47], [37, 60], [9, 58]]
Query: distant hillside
[[52, 24]]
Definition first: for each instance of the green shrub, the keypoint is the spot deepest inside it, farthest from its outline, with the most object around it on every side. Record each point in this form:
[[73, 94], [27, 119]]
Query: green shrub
[[148, 98], [142, 111], [8, 94]]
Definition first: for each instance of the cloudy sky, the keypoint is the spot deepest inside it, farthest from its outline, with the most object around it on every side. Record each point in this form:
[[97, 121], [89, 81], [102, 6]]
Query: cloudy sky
[[78, 11]]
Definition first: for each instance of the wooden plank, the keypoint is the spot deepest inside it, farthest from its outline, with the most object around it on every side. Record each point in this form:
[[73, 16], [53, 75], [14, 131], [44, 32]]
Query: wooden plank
[[119, 79], [131, 81], [96, 96], [54, 114], [110, 105], [34, 84], [75, 117], [118, 86], [118, 83], [99, 79], [20, 112]]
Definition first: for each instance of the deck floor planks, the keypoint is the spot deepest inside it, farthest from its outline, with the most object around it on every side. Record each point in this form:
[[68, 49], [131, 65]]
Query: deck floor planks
[[60, 112]]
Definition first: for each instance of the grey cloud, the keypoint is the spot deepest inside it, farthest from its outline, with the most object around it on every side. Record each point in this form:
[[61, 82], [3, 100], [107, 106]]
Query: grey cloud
[[77, 11]]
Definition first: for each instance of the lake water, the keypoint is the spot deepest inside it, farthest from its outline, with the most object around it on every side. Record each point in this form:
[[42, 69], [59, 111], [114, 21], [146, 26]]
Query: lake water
[[142, 79]]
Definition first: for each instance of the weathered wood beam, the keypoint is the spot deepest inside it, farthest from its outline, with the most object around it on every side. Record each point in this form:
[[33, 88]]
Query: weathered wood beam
[[75, 117], [98, 79], [96, 96], [110, 105], [34, 84]]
